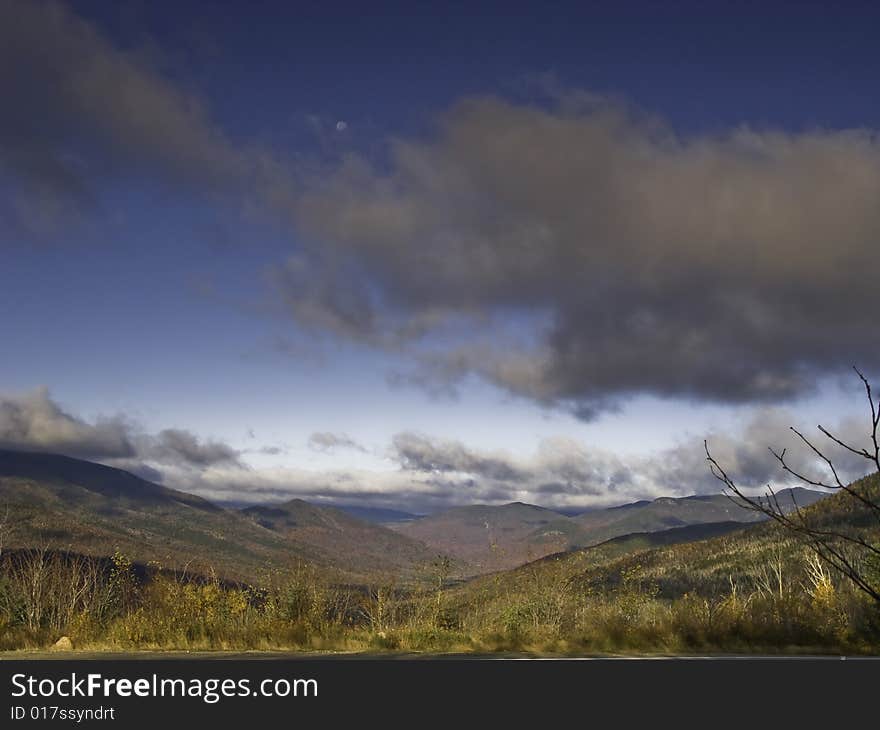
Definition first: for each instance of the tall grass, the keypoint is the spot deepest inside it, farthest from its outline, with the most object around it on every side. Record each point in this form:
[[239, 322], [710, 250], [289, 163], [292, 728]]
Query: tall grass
[[773, 600]]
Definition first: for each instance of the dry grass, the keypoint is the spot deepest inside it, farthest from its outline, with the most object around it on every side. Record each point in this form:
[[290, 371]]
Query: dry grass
[[774, 597]]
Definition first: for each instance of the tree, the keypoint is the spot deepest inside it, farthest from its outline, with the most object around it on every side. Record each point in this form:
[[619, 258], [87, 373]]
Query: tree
[[848, 548]]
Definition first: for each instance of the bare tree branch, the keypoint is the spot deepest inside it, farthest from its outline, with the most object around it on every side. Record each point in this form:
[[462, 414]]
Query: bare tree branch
[[830, 544]]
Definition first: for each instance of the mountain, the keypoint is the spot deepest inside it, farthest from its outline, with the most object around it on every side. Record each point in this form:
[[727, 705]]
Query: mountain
[[709, 560], [669, 512], [624, 544], [377, 515], [97, 479], [491, 538], [66, 503], [73, 504], [361, 546]]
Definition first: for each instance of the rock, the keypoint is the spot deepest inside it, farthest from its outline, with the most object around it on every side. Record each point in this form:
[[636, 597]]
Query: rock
[[65, 643]]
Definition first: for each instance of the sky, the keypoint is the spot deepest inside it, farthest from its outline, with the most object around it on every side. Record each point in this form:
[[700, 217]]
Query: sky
[[425, 254]]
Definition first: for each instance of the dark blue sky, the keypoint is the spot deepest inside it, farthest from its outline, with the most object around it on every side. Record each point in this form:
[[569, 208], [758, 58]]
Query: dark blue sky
[[260, 221], [701, 65]]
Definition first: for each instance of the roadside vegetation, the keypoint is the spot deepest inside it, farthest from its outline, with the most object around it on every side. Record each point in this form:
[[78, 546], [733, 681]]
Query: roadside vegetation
[[757, 590]]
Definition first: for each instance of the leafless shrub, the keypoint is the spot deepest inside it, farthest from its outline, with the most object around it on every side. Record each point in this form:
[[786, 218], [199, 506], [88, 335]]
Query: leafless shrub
[[851, 552]]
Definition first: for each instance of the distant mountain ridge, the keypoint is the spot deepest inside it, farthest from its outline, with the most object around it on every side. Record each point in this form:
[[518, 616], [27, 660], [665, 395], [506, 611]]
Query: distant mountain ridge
[[378, 515], [493, 537], [501, 537]]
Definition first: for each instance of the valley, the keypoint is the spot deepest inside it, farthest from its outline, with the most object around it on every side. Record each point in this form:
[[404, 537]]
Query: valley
[[124, 564]]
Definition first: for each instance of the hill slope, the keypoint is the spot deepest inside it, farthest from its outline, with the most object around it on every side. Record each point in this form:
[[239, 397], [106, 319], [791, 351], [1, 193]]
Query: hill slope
[[72, 504], [492, 538], [669, 512], [377, 515], [65, 503], [362, 546], [706, 559]]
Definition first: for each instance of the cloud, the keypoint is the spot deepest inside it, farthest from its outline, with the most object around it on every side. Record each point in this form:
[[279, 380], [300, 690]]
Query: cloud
[[434, 473], [560, 467], [747, 456], [417, 452], [391, 489], [581, 251], [328, 442], [574, 251], [34, 422], [140, 469], [78, 109], [272, 450], [175, 445], [566, 473]]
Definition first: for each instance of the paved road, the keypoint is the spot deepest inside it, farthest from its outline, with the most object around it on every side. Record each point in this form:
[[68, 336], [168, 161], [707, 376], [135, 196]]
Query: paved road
[[281, 655]]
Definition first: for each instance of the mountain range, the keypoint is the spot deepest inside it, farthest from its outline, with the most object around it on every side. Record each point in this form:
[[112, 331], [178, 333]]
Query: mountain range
[[65, 503], [490, 538]]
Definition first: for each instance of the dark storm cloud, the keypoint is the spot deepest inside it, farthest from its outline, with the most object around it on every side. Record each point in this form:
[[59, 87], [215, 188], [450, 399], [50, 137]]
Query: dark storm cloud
[[76, 109], [731, 267], [328, 442]]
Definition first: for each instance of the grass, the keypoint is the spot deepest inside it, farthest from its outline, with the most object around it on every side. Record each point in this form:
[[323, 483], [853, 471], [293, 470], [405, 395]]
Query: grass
[[582, 605]]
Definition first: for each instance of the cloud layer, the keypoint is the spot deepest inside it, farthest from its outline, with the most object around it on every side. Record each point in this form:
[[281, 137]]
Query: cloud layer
[[579, 252], [429, 473], [435, 474]]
